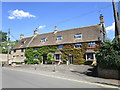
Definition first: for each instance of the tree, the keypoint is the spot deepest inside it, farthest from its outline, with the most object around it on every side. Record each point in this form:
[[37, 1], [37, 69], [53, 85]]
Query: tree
[[4, 36], [109, 55], [4, 44]]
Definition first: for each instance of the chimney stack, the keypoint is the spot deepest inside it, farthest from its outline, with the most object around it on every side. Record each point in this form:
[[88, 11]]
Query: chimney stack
[[101, 19], [55, 29], [35, 32], [21, 36]]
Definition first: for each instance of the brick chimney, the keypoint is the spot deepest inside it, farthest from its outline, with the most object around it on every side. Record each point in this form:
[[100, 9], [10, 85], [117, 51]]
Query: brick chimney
[[35, 32], [101, 19], [55, 29], [21, 36]]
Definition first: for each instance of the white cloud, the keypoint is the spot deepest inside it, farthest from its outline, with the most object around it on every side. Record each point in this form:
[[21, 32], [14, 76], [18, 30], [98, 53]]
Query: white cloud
[[41, 27], [19, 14], [111, 28]]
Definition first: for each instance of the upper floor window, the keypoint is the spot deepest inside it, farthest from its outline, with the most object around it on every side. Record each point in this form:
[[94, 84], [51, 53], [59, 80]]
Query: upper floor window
[[78, 45], [59, 38], [14, 50], [92, 44], [35, 49], [78, 35], [43, 40], [22, 50], [60, 47]]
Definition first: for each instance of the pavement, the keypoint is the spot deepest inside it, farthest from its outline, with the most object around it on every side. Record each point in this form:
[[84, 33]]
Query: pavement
[[77, 72]]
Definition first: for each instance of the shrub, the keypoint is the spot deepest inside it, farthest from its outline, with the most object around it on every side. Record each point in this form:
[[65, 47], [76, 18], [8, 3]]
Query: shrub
[[41, 58], [50, 58], [35, 61], [109, 55]]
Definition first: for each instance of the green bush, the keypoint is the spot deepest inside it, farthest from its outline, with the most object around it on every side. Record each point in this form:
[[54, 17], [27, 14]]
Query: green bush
[[109, 55], [35, 61], [41, 58], [50, 58]]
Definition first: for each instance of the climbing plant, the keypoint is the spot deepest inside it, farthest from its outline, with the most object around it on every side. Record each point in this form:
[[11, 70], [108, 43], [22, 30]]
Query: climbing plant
[[30, 53]]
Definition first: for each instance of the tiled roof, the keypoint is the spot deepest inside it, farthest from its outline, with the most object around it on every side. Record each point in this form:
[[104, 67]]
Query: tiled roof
[[89, 33]]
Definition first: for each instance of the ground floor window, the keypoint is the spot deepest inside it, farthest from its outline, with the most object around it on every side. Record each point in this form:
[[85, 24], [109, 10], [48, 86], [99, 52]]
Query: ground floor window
[[90, 56], [57, 57]]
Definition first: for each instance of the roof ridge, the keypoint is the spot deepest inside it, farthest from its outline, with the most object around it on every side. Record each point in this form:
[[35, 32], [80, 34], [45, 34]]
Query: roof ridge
[[65, 30]]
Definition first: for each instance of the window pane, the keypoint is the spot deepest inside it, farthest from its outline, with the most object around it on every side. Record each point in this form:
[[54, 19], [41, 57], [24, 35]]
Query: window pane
[[35, 49], [59, 38], [43, 40], [78, 36], [90, 56], [79, 45], [60, 47], [92, 44], [57, 56]]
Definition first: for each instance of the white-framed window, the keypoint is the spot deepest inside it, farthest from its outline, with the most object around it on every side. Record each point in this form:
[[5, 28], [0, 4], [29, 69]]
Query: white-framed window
[[43, 40], [78, 45], [60, 46], [79, 35], [91, 44], [59, 38]]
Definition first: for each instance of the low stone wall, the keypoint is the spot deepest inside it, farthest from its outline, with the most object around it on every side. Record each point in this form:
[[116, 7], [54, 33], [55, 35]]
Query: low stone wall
[[108, 73]]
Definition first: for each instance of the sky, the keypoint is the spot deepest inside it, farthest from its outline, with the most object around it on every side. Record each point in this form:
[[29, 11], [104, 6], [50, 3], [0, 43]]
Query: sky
[[25, 17]]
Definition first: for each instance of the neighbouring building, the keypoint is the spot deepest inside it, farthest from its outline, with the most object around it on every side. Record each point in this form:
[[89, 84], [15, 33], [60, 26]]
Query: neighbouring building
[[92, 35]]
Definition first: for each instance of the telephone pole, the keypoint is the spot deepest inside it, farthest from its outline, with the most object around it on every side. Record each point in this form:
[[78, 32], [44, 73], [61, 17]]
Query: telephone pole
[[117, 23], [8, 44]]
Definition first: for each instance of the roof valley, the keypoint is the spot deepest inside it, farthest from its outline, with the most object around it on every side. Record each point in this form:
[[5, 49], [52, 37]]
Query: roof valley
[[30, 41]]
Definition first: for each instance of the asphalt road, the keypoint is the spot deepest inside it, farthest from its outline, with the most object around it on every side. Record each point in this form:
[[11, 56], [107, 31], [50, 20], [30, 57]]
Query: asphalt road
[[22, 79]]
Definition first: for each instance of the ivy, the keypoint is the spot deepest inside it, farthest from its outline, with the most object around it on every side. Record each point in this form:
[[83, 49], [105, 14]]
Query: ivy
[[78, 54], [44, 50]]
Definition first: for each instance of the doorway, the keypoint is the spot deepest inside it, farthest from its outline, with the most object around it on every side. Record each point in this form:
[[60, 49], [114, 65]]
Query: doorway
[[70, 59]]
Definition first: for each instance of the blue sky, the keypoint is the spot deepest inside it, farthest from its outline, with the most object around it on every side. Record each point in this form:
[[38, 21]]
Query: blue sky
[[25, 17]]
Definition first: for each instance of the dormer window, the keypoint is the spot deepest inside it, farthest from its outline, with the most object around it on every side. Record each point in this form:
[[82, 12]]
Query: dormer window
[[22, 42], [78, 35], [59, 38], [43, 40]]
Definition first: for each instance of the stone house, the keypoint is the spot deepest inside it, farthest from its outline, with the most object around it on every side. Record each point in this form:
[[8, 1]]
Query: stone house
[[93, 35]]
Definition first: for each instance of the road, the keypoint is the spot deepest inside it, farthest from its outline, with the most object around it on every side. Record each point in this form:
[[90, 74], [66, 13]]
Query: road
[[26, 79]]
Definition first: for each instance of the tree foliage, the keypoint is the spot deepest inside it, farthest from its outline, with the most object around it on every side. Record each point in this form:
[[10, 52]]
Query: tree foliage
[[4, 44], [4, 36], [109, 55]]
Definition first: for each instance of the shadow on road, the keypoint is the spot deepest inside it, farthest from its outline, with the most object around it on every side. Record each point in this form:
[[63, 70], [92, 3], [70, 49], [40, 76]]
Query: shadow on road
[[92, 71]]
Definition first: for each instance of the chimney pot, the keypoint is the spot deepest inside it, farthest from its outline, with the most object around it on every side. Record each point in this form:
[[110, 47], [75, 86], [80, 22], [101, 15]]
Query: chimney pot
[[55, 29], [101, 19], [35, 32], [21, 36]]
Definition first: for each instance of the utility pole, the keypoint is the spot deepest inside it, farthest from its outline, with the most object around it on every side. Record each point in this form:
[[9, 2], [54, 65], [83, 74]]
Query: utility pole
[[8, 45], [117, 23]]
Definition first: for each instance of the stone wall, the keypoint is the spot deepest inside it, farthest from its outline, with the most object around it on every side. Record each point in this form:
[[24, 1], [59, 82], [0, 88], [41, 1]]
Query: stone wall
[[17, 56], [4, 58], [108, 73]]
